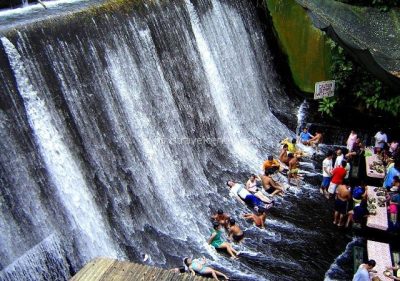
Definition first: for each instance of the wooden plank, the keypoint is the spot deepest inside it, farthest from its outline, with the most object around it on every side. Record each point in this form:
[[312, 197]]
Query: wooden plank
[[104, 269], [380, 252], [95, 270], [380, 220]]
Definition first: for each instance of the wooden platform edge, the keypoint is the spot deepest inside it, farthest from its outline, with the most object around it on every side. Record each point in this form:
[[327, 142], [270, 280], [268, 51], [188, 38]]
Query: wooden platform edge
[[101, 269]]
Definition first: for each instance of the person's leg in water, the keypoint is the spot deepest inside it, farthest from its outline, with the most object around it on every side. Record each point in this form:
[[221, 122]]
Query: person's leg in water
[[262, 197], [229, 249], [214, 273], [277, 192]]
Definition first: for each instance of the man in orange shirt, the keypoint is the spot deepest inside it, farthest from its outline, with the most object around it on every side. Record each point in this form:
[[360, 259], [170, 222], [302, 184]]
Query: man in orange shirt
[[271, 165]]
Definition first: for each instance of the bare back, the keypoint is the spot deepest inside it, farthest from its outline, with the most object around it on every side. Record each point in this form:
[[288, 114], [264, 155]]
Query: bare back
[[343, 193]]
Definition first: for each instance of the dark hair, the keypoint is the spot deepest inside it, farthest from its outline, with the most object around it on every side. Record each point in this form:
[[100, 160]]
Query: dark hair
[[267, 172], [371, 263], [261, 210], [344, 163], [293, 140], [185, 261], [270, 157], [232, 221], [290, 155], [285, 145], [220, 212], [253, 175], [330, 153], [215, 224]]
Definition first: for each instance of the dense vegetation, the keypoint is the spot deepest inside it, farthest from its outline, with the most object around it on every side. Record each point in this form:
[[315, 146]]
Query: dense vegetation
[[357, 87]]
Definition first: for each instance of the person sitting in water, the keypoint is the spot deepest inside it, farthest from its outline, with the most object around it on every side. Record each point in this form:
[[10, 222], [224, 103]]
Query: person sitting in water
[[271, 164], [316, 140], [221, 217], [253, 183], [216, 241], [234, 232], [283, 156], [293, 169], [199, 266], [271, 186], [290, 144], [252, 187], [243, 195], [305, 136], [258, 219]]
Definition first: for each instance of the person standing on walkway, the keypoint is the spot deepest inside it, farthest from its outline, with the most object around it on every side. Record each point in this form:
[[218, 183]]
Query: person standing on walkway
[[363, 271], [326, 174], [338, 175]]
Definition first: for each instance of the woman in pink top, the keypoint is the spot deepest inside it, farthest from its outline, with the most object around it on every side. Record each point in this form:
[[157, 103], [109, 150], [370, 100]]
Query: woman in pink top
[[351, 140]]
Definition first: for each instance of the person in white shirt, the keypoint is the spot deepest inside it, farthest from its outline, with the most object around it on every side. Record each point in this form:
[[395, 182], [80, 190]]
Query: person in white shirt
[[326, 173], [380, 139], [339, 158], [243, 194]]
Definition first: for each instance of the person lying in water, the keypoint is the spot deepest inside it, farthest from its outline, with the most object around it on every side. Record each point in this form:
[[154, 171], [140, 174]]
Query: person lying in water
[[199, 266], [217, 242], [235, 233], [252, 187], [258, 219], [245, 196], [271, 186], [221, 217]]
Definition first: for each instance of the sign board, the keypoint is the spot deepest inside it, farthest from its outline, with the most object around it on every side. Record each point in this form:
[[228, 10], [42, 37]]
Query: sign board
[[324, 89]]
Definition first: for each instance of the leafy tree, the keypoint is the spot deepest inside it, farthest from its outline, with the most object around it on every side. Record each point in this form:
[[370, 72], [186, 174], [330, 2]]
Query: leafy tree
[[357, 86]]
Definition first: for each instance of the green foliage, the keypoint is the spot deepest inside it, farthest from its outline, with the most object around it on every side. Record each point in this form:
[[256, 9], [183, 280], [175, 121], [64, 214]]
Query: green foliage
[[326, 106], [356, 86]]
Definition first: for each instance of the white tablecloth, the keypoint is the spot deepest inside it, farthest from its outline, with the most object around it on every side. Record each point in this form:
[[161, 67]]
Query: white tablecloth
[[380, 220], [380, 252]]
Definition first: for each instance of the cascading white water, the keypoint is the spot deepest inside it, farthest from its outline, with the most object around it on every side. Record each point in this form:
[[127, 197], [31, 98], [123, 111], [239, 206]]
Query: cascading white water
[[63, 168], [138, 121]]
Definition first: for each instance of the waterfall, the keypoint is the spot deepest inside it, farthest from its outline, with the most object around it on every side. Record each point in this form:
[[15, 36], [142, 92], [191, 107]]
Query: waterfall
[[118, 131]]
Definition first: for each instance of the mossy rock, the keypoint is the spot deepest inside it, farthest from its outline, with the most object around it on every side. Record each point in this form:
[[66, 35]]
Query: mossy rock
[[308, 54]]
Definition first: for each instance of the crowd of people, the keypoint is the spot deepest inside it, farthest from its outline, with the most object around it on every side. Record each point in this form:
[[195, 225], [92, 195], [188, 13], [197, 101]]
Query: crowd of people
[[349, 197]]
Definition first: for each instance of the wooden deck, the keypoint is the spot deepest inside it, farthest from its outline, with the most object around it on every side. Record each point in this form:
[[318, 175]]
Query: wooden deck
[[113, 270]]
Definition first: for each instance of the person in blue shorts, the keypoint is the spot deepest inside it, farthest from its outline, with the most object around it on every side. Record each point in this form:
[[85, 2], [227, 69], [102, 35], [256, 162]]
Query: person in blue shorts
[[326, 173]]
